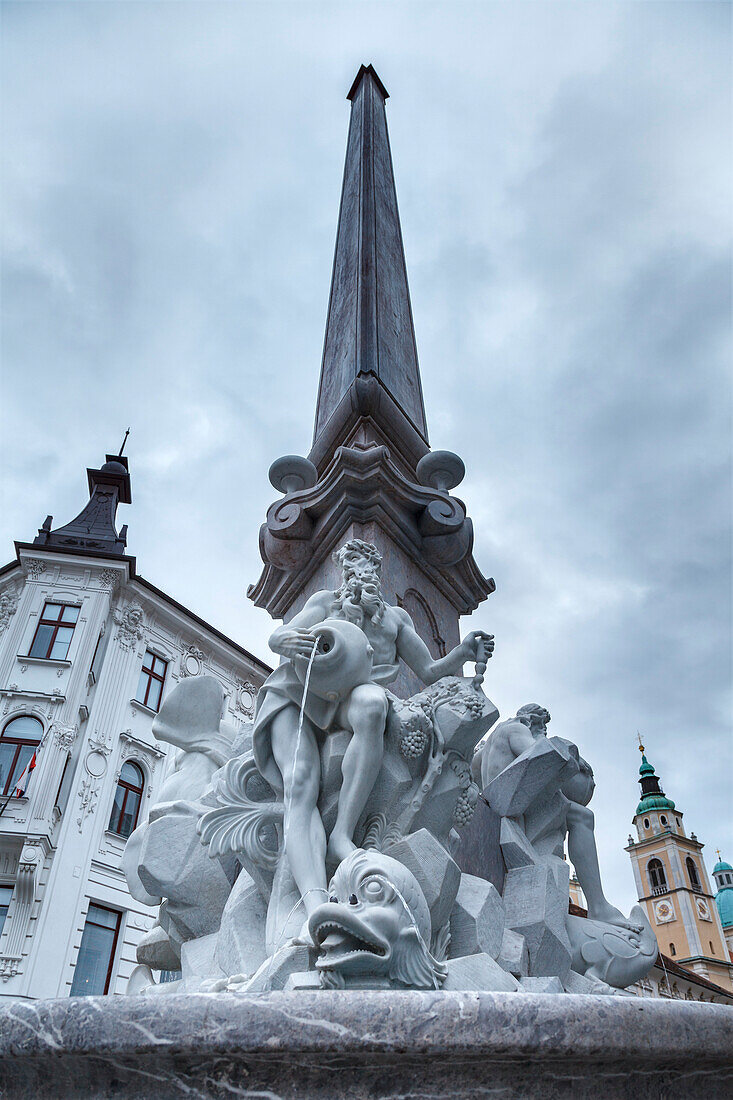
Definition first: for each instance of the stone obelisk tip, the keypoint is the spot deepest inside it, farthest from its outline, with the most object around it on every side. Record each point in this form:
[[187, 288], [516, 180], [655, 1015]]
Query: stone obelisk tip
[[367, 70]]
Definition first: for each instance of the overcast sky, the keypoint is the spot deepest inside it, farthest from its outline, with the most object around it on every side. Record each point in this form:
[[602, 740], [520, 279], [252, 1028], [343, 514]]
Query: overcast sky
[[170, 191]]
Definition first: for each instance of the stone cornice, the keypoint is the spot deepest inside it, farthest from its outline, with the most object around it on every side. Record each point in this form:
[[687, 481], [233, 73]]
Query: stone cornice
[[363, 485]]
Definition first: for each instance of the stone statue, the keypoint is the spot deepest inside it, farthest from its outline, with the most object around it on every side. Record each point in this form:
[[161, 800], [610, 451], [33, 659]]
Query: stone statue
[[541, 786], [163, 858], [286, 742], [374, 926], [339, 781]]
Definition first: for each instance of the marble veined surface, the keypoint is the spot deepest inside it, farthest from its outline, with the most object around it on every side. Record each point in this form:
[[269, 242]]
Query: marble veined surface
[[389, 1044]]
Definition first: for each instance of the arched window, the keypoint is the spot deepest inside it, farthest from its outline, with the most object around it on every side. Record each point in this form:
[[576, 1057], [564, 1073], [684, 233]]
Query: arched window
[[672, 949], [692, 872], [128, 796], [18, 741], [657, 877]]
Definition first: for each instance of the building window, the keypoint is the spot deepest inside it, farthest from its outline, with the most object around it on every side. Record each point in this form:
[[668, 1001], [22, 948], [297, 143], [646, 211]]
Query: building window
[[152, 678], [93, 971], [672, 949], [646, 822], [6, 893], [657, 877], [18, 742], [97, 659], [60, 792], [126, 806], [692, 872], [712, 949], [54, 631], [663, 819]]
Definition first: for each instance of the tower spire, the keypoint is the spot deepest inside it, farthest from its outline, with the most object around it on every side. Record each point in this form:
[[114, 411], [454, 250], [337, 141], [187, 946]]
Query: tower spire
[[652, 795], [93, 530], [370, 385]]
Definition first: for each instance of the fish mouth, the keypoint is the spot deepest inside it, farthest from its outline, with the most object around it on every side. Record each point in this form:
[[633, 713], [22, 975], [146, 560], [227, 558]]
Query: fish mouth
[[343, 938]]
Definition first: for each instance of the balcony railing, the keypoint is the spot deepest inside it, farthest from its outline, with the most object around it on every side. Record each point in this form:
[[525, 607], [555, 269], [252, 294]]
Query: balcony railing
[[657, 890]]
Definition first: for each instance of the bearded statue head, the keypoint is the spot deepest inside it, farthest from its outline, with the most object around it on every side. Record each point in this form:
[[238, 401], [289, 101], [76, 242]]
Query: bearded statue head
[[360, 594]]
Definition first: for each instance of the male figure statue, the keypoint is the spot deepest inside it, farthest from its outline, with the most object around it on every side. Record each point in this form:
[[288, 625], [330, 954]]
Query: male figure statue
[[570, 774], [291, 763]]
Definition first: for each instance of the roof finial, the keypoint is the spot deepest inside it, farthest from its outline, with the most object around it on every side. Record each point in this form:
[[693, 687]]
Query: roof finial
[[641, 744], [717, 852], [124, 441]]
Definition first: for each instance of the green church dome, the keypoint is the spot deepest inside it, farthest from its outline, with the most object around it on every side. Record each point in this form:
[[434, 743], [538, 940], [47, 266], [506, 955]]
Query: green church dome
[[722, 865], [724, 902], [654, 802]]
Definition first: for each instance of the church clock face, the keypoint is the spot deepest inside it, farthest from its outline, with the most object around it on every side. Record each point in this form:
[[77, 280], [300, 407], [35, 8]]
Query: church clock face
[[664, 911], [702, 909]]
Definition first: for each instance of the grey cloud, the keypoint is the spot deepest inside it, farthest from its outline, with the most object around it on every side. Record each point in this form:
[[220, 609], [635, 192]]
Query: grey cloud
[[171, 191]]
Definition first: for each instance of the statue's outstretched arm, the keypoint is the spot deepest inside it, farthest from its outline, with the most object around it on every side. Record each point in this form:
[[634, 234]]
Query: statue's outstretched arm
[[416, 655]]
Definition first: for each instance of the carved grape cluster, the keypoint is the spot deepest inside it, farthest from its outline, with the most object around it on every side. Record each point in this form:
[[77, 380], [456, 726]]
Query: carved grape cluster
[[413, 743], [465, 805]]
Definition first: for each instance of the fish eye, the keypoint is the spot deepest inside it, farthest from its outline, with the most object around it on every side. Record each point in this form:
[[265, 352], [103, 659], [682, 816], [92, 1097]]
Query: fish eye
[[353, 900], [372, 888]]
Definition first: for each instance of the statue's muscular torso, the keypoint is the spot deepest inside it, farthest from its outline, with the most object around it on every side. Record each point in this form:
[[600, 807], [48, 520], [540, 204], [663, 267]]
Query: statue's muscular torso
[[383, 636]]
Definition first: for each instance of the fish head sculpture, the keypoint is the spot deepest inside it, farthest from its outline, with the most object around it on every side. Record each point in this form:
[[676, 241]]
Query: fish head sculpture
[[376, 923]]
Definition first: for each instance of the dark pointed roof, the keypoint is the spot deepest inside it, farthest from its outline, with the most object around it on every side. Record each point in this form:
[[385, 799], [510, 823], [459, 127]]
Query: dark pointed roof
[[652, 795], [370, 368], [94, 528]]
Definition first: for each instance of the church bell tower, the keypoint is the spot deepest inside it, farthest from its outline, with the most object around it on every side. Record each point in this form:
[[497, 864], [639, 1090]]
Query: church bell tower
[[673, 886]]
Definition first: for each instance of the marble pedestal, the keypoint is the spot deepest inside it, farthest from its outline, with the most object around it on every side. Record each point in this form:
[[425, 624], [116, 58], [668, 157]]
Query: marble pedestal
[[364, 1044]]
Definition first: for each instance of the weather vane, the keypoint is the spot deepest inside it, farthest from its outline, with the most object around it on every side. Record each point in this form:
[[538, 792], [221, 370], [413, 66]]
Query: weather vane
[[124, 441]]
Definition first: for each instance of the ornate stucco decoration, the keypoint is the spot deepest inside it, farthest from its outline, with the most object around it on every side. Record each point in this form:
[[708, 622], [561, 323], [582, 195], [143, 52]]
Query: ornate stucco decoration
[[24, 895], [64, 736], [192, 661], [8, 607], [245, 696], [132, 748], [108, 578], [34, 568], [87, 794], [130, 622]]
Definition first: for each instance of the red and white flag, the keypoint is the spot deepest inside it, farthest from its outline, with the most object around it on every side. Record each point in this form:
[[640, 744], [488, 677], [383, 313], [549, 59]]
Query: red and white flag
[[22, 785]]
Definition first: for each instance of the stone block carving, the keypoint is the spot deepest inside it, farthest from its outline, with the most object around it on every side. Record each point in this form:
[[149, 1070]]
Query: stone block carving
[[513, 955], [477, 919], [173, 864], [536, 984], [198, 958], [535, 908], [241, 941], [435, 871], [475, 972]]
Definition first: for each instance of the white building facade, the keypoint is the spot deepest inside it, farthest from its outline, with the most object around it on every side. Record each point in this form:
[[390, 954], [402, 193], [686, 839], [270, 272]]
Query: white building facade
[[88, 650]]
